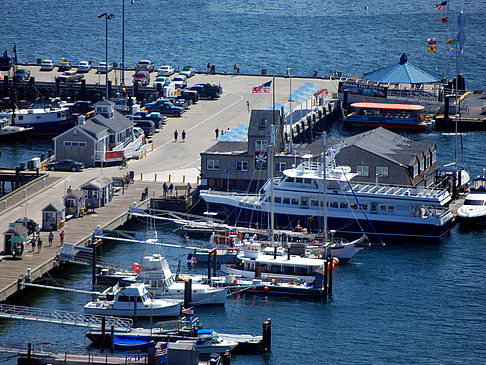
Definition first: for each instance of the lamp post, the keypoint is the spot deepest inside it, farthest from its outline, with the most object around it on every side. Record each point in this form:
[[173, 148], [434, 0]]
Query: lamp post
[[123, 45], [65, 185], [291, 147], [106, 16], [25, 213]]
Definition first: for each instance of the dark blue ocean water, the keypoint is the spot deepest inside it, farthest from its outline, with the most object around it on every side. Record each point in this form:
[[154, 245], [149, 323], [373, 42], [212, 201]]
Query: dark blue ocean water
[[404, 303]]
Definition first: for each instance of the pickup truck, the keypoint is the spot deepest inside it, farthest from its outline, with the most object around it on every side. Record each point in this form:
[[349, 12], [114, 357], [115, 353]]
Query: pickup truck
[[164, 106], [210, 91], [191, 95], [70, 76], [155, 117]]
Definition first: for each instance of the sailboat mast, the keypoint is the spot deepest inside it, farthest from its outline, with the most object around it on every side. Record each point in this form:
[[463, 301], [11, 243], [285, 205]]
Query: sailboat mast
[[324, 199], [271, 152]]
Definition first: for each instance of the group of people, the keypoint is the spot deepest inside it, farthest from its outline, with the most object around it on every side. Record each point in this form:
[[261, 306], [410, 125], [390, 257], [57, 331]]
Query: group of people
[[36, 239], [211, 68], [169, 189], [216, 132], [183, 135]]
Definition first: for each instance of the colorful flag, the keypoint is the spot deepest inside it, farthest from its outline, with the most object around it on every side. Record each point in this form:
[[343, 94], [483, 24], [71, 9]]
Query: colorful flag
[[263, 88], [433, 49], [452, 41], [161, 349], [188, 311], [441, 6], [431, 41], [445, 20]]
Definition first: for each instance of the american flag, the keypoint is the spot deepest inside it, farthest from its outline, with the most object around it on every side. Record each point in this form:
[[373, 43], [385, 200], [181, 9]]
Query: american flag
[[263, 88], [188, 311], [441, 6], [161, 349]]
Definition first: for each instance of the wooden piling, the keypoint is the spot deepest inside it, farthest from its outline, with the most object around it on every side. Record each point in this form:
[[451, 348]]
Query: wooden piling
[[187, 293], [267, 335], [112, 340], [331, 264]]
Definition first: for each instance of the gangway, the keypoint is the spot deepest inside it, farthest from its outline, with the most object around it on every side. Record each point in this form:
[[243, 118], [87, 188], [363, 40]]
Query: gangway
[[63, 317]]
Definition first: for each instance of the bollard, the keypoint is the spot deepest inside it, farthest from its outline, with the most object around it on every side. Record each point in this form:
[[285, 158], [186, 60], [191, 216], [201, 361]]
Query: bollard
[[25, 193], [198, 180], [141, 176], [169, 178], [152, 146], [145, 152], [155, 177], [183, 179], [5, 204], [44, 182], [29, 272]]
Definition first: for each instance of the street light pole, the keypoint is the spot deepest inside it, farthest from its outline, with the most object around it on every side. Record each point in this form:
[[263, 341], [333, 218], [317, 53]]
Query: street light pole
[[106, 16], [123, 45]]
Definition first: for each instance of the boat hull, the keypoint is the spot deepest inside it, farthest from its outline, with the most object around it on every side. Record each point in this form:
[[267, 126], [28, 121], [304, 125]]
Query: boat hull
[[50, 128], [166, 311], [423, 229]]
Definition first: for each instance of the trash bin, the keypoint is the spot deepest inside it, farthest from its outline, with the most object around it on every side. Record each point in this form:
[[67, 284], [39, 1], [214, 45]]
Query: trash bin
[[264, 71], [132, 175]]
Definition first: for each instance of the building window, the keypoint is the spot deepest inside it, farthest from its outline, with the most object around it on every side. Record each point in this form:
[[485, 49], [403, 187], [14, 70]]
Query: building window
[[295, 201], [333, 204], [261, 144], [434, 156], [112, 138], [381, 171], [67, 143], [263, 124], [363, 170], [279, 166], [286, 200], [314, 203], [427, 161], [415, 170], [74, 144], [213, 164], [241, 165], [278, 200]]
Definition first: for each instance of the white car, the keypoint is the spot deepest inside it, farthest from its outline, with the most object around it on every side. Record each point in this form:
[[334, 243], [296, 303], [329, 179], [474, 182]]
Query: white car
[[180, 81], [102, 67], [145, 65], [84, 66], [165, 70], [162, 80], [137, 131], [47, 65]]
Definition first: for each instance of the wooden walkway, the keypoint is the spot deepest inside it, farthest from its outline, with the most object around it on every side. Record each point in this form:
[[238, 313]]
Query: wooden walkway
[[77, 231]]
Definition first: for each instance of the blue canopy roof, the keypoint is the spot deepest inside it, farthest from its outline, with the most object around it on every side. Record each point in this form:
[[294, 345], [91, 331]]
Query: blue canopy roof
[[401, 73]]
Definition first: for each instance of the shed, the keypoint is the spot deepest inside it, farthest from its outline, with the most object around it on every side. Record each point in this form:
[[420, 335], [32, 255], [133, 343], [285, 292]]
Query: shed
[[53, 216], [14, 230], [99, 192], [74, 202]]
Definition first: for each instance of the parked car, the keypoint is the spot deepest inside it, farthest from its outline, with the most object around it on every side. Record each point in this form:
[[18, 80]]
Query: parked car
[[31, 224], [84, 66], [102, 67], [165, 70], [191, 95], [187, 71], [22, 74], [147, 125], [65, 165], [164, 106], [137, 132], [141, 78], [153, 116], [64, 66], [70, 76], [47, 65], [180, 81], [145, 65], [207, 90], [162, 80], [6, 62]]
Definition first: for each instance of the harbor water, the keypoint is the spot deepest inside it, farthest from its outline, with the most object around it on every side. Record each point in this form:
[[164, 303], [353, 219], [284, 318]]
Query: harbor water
[[408, 302]]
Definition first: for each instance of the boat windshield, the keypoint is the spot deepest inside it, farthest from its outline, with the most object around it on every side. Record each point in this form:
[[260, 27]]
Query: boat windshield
[[474, 202]]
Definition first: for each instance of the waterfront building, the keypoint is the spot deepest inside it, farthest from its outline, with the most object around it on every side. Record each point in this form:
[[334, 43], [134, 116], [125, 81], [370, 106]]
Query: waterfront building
[[53, 216], [99, 192]]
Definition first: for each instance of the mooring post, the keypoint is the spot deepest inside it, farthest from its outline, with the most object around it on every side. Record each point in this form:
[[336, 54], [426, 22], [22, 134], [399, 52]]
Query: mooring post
[[325, 275], [103, 328], [112, 340], [267, 335], [227, 358], [187, 293], [215, 264], [331, 265], [93, 268]]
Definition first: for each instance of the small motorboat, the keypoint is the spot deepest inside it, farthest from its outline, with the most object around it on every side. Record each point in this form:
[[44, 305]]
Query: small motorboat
[[12, 132], [473, 212], [130, 342], [132, 301], [208, 342]]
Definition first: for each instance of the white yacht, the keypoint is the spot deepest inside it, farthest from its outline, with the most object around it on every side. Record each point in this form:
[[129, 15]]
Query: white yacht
[[12, 132], [133, 301], [474, 209]]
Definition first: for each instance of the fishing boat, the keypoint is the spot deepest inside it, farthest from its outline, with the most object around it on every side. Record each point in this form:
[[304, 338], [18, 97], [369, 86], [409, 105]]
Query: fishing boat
[[352, 208], [132, 301], [49, 120], [10, 132], [394, 116], [473, 212], [155, 273]]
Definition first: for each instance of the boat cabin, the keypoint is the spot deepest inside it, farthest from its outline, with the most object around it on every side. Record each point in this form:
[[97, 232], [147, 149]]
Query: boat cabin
[[53, 216]]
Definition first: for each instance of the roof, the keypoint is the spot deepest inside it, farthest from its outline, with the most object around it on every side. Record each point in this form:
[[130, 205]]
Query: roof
[[92, 128], [259, 115], [57, 205], [228, 147], [409, 107], [105, 102], [389, 145], [76, 193], [98, 182], [401, 73], [118, 123]]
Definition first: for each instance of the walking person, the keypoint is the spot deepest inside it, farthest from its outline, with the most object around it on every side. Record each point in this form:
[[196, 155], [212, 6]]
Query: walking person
[[213, 69], [235, 70], [61, 238], [175, 135], [39, 245], [209, 67], [33, 241], [248, 105], [165, 188], [51, 238], [189, 187], [171, 187], [183, 135], [216, 131]]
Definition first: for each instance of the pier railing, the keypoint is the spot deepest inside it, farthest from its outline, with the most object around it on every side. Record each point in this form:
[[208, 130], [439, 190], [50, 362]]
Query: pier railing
[[62, 317]]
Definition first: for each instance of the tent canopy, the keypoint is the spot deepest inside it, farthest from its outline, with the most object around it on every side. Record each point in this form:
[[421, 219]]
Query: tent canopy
[[401, 73]]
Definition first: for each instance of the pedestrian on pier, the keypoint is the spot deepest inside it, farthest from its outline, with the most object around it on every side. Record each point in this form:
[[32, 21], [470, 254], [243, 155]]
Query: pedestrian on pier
[[213, 69], [171, 188], [216, 131], [165, 188], [183, 135], [189, 187], [209, 67], [175, 135], [37, 230], [33, 241], [69, 189], [61, 238], [51, 238], [248, 105], [39, 245], [235, 70]]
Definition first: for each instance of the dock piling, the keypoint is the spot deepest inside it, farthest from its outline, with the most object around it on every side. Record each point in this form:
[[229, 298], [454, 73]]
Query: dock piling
[[112, 339], [331, 265], [187, 293], [267, 335]]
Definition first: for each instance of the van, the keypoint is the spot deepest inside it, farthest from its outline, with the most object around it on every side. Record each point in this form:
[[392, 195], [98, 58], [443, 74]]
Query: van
[[47, 65]]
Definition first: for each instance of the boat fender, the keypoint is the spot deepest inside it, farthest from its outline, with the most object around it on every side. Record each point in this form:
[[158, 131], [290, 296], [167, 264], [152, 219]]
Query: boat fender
[[194, 259], [265, 288], [335, 261]]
